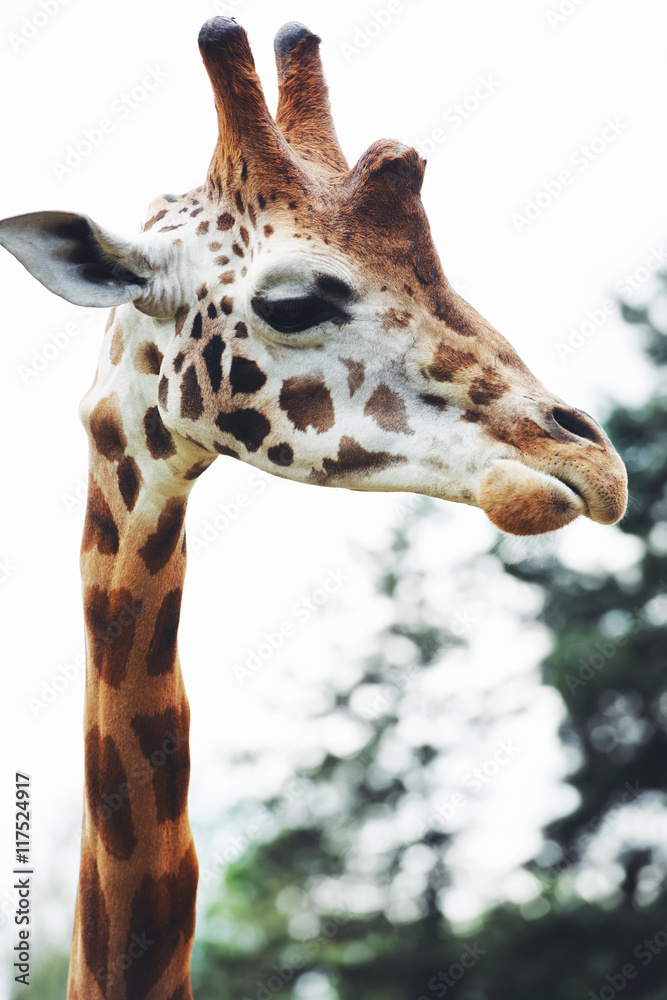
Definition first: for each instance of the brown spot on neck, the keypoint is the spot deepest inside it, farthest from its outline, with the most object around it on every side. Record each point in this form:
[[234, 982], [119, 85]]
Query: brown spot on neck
[[158, 548], [106, 428]]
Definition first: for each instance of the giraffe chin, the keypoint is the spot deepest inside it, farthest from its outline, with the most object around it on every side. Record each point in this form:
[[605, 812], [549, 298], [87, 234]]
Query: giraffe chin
[[522, 501]]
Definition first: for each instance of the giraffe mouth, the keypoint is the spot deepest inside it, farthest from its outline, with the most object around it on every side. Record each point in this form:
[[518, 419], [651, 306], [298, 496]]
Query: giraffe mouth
[[522, 500]]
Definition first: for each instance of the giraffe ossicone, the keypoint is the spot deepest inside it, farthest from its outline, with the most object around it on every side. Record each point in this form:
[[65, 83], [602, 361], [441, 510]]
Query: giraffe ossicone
[[291, 312]]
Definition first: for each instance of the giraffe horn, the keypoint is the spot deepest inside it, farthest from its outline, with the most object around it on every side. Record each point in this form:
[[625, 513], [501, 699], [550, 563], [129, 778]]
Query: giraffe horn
[[304, 114], [248, 137]]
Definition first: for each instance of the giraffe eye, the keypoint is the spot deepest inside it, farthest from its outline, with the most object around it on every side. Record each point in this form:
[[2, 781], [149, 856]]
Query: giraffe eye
[[295, 315]]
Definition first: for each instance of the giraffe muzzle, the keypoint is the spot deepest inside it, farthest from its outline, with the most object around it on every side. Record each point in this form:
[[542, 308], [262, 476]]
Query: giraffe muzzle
[[573, 470]]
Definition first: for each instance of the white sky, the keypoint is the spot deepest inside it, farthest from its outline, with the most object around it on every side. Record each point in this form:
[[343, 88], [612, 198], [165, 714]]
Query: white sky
[[550, 89]]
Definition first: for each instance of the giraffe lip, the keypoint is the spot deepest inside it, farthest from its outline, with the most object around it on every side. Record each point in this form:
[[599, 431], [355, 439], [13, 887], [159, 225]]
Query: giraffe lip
[[577, 492]]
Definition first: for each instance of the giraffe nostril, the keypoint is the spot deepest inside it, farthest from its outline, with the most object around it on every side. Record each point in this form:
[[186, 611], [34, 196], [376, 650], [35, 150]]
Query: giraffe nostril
[[579, 423]]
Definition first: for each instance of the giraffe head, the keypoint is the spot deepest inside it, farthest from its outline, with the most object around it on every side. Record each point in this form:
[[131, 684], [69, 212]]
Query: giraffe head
[[293, 312]]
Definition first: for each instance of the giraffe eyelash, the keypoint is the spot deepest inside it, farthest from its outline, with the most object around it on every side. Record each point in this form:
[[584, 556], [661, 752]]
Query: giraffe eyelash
[[294, 315]]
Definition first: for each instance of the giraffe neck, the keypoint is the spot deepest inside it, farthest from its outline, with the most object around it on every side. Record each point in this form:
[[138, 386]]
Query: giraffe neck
[[135, 911]]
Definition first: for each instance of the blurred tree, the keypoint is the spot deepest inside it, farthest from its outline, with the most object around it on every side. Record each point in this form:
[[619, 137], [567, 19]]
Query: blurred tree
[[599, 926], [280, 926]]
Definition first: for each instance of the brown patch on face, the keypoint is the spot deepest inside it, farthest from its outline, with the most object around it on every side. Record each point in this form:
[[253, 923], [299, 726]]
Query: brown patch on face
[[357, 372], [387, 409], [162, 650], [155, 218], [448, 361], [106, 429], [512, 360], [107, 792], [268, 230], [352, 457], [148, 358], [244, 235], [202, 228], [459, 316], [163, 391], [129, 481], [436, 401], [225, 221], [521, 432], [250, 427], [99, 528], [308, 403], [226, 304], [159, 546], [281, 454], [237, 250], [163, 739], [215, 246], [221, 260], [181, 314], [196, 328], [178, 361], [110, 620], [245, 376], [227, 277], [163, 909], [395, 319], [252, 215], [241, 330], [202, 292], [239, 202], [158, 439], [116, 349], [192, 405], [94, 919], [487, 387]]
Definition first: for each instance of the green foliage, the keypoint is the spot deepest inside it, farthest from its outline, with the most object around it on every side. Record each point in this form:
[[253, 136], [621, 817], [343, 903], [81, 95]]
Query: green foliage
[[607, 662]]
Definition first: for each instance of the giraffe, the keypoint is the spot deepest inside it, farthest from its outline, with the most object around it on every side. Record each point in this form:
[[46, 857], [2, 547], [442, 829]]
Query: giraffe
[[292, 313]]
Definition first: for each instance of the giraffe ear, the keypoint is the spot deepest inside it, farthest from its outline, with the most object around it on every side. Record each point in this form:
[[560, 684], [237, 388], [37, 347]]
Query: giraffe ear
[[75, 258]]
